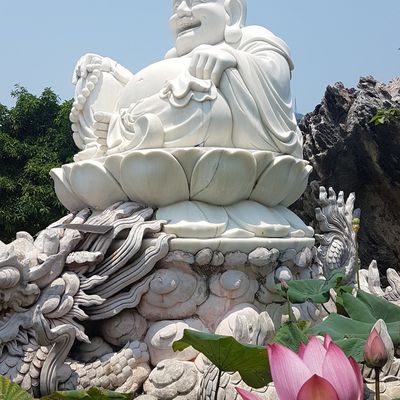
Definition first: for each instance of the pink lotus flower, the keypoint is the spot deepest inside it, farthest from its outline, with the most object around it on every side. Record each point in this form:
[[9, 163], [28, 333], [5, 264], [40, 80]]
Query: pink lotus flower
[[316, 372], [375, 353], [247, 395]]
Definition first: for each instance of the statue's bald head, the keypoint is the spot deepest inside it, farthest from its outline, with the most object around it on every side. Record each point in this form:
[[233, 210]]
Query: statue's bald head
[[196, 22]]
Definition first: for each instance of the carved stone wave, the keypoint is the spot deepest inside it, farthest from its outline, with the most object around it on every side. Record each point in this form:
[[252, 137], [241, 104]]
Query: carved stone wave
[[49, 286], [116, 276]]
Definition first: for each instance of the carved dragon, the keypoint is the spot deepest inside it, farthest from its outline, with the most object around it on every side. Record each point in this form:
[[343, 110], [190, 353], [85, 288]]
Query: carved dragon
[[49, 288]]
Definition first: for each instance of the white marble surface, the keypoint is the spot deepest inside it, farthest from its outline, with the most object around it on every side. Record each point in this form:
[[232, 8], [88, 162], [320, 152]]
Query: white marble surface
[[212, 122], [174, 293], [223, 84], [226, 245], [161, 177], [207, 138], [162, 334]]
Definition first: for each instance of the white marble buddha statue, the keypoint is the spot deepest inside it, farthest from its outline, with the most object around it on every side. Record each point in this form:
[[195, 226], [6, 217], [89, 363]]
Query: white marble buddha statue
[[222, 85], [207, 136]]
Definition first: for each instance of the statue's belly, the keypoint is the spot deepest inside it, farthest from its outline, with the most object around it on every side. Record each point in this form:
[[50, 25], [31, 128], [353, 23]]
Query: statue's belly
[[150, 80]]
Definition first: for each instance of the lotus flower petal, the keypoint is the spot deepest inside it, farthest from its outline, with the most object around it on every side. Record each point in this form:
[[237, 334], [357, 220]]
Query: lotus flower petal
[[360, 380], [283, 181], [223, 176], [298, 180], [314, 355], [338, 370], [94, 185], [113, 166], [194, 219], [271, 188], [382, 330], [317, 388], [302, 349], [319, 371], [161, 177], [288, 371], [327, 341], [153, 177], [258, 219], [246, 395], [64, 191], [375, 353]]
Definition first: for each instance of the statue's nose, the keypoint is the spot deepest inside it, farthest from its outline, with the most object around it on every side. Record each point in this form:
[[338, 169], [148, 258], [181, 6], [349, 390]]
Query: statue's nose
[[183, 9]]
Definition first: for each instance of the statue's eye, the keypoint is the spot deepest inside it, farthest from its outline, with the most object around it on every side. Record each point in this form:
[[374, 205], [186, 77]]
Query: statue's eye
[[194, 2], [191, 3]]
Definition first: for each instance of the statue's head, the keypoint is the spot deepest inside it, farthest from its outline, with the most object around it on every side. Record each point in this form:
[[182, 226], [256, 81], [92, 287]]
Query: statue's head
[[196, 22]]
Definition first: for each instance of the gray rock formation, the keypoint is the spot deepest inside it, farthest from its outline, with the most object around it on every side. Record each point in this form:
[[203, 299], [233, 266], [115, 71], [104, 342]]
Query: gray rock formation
[[349, 153]]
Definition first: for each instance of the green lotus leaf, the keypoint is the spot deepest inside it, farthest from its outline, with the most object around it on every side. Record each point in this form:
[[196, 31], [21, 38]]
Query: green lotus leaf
[[12, 391], [229, 355], [292, 334], [91, 394], [314, 290]]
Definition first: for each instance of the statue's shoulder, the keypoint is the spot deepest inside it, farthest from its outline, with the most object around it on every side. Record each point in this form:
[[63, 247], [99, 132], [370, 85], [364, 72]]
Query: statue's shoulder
[[254, 31], [171, 53]]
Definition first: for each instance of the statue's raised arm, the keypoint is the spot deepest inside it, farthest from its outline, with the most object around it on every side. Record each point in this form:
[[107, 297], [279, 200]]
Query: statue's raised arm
[[98, 84]]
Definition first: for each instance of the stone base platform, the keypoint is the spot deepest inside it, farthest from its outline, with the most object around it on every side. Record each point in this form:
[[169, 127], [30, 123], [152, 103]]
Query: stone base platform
[[226, 245]]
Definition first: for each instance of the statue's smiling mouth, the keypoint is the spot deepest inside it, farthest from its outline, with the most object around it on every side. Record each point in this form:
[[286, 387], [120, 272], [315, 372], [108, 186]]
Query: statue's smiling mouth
[[186, 24]]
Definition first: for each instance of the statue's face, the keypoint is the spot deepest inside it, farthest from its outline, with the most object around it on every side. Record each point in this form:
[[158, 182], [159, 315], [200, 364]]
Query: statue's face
[[196, 22]]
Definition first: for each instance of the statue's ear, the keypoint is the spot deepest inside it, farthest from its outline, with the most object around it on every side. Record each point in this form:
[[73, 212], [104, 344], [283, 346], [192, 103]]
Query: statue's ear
[[237, 11]]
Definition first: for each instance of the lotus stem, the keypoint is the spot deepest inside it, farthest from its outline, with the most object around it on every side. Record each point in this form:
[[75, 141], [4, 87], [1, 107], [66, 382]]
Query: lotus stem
[[357, 264], [356, 227], [290, 312], [377, 386]]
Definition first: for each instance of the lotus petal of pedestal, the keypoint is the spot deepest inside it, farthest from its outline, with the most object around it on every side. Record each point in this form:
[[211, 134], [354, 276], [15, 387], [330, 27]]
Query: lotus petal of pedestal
[[223, 176], [284, 180], [64, 191], [94, 185], [260, 220], [164, 177], [245, 219], [113, 166], [153, 177], [194, 219], [297, 181]]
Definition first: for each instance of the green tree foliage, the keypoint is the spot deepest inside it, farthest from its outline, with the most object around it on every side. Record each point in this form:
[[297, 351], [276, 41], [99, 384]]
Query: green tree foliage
[[34, 137], [385, 115]]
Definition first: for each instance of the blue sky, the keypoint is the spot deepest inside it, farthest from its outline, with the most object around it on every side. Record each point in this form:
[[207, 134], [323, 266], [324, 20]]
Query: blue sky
[[330, 40]]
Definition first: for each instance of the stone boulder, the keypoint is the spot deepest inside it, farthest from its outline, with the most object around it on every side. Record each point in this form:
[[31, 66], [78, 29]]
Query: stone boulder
[[349, 153]]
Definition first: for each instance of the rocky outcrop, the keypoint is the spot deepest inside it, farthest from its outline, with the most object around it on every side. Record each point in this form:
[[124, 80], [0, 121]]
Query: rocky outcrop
[[351, 154]]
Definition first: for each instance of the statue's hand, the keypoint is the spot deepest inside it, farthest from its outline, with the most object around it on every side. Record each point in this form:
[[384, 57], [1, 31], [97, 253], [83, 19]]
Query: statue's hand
[[89, 63], [209, 62]]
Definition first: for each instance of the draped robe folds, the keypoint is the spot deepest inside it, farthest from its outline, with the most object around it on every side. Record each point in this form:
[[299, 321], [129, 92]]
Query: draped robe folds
[[251, 108]]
